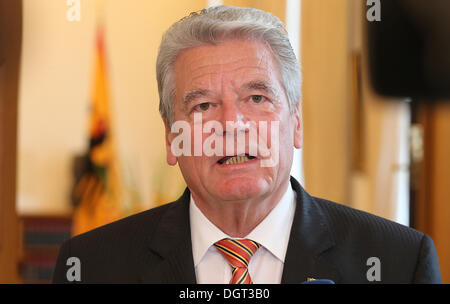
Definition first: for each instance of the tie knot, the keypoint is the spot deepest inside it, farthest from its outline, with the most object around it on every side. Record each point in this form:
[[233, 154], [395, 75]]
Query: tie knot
[[237, 252]]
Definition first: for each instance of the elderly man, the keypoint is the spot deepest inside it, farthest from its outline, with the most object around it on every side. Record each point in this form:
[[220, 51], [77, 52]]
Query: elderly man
[[241, 219]]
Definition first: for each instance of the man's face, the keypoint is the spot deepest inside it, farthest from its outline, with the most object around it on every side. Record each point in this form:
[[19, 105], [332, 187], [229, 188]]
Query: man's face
[[236, 81]]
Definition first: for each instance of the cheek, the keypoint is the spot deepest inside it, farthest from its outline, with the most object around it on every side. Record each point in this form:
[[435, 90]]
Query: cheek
[[285, 133], [286, 140], [190, 167]]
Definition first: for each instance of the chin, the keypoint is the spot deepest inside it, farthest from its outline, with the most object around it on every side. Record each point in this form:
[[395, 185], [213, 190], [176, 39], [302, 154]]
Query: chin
[[242, 188]]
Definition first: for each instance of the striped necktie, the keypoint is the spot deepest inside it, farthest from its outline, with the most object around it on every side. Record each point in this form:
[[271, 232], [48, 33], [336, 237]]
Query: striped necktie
[[238, 254]]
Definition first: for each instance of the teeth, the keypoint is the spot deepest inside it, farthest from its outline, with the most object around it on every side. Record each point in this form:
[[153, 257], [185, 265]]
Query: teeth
[[236, 160]]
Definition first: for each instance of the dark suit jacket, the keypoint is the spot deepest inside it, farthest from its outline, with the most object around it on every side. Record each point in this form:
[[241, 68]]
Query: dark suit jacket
[[327, 241]]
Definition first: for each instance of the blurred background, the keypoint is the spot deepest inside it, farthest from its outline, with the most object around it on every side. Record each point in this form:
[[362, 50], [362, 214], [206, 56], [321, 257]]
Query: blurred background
[[82, 142]]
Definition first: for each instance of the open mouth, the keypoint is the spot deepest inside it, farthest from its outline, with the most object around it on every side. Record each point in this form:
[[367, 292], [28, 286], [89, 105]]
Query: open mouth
[[237, 159]]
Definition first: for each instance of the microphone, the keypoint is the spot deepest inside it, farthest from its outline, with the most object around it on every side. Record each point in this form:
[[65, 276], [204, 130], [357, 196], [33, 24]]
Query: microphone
[[319, 281]]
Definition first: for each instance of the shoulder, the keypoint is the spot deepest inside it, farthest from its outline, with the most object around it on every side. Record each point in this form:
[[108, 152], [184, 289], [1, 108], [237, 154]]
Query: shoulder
[[344, 221], [141, 223], [111, 253], [405, 254]]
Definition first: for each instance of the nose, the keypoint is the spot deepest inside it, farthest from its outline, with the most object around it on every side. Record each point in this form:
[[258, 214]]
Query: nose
[[231, 113]]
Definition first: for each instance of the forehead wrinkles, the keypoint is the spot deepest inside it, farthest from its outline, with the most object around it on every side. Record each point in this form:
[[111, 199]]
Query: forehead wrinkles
[[245, 65], [209, 65], [228, 65]]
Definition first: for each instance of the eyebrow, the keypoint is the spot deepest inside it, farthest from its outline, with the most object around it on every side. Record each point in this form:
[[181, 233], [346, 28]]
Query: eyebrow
[[194, 94], [260, 85]]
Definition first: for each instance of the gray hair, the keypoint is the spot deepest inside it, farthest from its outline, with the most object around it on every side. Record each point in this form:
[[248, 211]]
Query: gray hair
[[217, 24]]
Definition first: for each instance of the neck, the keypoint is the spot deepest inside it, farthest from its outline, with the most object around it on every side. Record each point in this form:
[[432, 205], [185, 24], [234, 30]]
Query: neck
[[239, 218]]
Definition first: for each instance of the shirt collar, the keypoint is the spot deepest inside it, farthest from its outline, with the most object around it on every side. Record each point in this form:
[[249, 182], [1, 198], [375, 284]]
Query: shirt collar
[[272, 233]]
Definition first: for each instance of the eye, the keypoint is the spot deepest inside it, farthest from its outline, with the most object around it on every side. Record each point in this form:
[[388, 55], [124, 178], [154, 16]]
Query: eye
[[257, 98], [203, 106]]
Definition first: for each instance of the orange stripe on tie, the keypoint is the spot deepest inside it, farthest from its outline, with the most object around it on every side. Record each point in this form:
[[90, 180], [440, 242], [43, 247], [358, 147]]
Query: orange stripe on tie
[[238, 254]]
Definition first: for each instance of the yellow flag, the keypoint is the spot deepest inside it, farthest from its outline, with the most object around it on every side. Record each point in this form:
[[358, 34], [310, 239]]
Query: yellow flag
[[97, 192]]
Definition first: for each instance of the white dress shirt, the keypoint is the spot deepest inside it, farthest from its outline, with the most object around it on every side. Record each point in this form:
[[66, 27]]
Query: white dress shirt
[[266, 266]]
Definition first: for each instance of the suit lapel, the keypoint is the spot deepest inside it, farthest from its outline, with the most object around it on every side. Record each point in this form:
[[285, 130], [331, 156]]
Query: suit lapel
[[309, 253], [171, 242], [310, 249]]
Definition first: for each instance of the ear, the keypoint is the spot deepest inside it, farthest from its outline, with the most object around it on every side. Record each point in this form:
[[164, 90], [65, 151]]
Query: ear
[[298, 126], [171, 158]]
